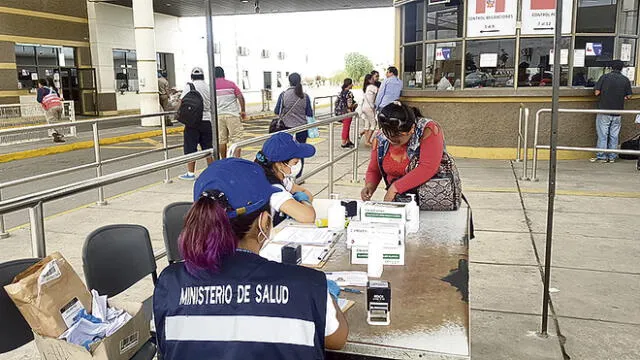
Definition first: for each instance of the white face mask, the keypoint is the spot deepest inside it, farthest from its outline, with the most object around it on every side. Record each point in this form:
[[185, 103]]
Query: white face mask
[[295, 169], [262, 232]]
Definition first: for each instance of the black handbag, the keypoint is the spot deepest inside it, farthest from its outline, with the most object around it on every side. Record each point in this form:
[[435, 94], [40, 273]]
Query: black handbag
[[631, 144], [277, 124]]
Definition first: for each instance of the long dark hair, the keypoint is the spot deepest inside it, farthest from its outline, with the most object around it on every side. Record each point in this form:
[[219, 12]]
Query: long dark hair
[[397, 118], [209, 235], [269, 168], [365, 83], [347, 82], [296, 81]]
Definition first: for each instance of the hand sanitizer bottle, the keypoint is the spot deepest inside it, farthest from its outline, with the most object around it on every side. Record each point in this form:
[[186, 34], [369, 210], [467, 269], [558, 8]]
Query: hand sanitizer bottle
[[413, 215]]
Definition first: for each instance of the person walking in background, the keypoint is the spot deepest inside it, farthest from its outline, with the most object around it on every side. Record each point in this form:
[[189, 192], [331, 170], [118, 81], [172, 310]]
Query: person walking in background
[[612, 88], [368, 107], [164, 90], [345, 105], [200, 133], [293, 107], [390, 89], [230, 116], [51, 101]]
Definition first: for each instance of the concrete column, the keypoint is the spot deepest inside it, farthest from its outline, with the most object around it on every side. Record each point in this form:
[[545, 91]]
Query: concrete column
[[143, 24]]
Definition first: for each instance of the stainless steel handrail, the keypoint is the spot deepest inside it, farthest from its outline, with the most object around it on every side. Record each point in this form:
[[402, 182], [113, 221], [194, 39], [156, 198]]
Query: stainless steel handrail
[[536, 146], [331, 98], [98, 163], [34, 201], [523, 138], [332, 160]]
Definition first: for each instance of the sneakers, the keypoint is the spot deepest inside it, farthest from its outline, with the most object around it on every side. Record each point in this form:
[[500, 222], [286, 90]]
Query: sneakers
[[57, 138], [598, 160], [611, 161], [187, 177], [348, 145]]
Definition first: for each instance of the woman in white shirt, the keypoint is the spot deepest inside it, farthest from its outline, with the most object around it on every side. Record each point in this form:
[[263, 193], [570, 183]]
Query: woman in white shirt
[[281, 158], [368, 108]]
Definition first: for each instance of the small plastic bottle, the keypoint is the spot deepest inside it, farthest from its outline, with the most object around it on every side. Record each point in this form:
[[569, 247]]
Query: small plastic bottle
[[413, 215], [336, 215]]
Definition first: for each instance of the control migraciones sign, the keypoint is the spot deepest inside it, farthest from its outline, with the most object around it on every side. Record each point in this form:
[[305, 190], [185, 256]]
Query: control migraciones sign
[[539, 17], [491, 18]]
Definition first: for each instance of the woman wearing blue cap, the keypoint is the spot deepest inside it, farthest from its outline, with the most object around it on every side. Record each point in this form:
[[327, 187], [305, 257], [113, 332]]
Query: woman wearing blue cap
[[227, 302], [281, 158]]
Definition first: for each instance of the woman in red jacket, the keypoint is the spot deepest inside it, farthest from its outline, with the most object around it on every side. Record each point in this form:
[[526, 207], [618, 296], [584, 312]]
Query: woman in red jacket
[[405, 136]]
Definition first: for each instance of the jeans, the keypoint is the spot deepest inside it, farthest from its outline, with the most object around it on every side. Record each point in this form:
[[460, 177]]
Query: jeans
[[608, 128], [346, 128]]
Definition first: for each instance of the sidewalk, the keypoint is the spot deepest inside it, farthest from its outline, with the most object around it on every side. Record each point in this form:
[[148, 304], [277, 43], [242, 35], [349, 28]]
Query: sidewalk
[[595, 274]]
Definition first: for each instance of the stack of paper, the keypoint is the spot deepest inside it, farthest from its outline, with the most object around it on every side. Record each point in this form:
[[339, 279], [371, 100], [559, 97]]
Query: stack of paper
[[348, 278], [311, 255], [305, 236]]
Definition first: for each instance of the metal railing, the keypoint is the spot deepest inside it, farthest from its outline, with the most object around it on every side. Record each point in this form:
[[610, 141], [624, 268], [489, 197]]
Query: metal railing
[[332, 158], [332, 100], [523, 138], [537, 146], [28, 117], [98, 162], [34, 202]]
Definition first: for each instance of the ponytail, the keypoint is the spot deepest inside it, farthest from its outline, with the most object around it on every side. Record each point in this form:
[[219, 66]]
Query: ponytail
[[296, 81], [299, 92]]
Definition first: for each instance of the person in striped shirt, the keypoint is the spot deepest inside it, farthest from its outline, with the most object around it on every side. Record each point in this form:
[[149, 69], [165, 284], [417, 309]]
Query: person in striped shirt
[[51, 102]]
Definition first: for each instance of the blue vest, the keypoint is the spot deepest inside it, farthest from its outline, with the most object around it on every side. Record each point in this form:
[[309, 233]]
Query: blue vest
[[252, 309]]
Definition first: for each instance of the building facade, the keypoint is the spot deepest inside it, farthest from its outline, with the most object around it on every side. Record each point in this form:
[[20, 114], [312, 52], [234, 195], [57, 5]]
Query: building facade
[[479, 60]]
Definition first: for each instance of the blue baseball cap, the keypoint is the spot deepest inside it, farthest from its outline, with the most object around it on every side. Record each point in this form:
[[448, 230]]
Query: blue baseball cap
[[283, 147], [242, 182]]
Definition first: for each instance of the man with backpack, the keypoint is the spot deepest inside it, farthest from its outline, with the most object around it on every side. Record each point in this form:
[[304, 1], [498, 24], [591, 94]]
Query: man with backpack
[[51, 102], [195, 114]]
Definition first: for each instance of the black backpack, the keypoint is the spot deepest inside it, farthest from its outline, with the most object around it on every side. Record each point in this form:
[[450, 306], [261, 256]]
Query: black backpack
[[191, 108], [631, 144]]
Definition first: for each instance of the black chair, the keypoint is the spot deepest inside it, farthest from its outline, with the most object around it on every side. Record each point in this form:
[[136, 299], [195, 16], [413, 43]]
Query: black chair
[[172, 223], [114, 258], [14, 332]]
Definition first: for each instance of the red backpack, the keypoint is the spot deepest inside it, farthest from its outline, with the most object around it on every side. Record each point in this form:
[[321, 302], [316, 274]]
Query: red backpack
[[51, 100]]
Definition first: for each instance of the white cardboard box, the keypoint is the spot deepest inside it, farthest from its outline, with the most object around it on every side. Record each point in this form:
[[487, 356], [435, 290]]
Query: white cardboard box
[[391, 255], [360, 234], [122, 345], [383, 212]]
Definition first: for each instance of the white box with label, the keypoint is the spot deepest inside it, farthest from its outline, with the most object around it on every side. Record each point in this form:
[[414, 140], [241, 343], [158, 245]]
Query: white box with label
[[383, 212], [359, 234]]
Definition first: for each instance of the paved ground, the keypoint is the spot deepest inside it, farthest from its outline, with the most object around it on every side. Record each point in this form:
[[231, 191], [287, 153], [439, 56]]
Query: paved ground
[[595, 275]]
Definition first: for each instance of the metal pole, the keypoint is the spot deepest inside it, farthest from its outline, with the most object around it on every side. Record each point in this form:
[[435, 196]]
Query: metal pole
[[3, 233], [525, 167], [519, 134], [330, 170], [96, 150], [355, 153], [167, 175], [212, 79], [553, 139], [534, 170], [36, 219]]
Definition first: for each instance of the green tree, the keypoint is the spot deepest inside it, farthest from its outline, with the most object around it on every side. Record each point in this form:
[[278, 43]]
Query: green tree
[[357, 65]]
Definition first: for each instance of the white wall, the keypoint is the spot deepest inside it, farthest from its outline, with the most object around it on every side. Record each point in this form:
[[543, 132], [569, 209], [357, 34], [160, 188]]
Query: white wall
[[111, 27]]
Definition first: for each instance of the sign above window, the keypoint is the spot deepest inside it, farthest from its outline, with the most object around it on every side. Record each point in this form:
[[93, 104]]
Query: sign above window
[[539, 17], [492, 18]]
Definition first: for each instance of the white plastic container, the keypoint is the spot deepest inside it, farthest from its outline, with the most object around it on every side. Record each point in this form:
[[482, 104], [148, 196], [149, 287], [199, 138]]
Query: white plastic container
[[375, 258], [336, 217], [413, 215]]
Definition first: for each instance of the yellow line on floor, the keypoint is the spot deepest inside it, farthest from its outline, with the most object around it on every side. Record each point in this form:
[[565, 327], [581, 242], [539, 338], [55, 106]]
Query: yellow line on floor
[[116, 147], [150, 141]]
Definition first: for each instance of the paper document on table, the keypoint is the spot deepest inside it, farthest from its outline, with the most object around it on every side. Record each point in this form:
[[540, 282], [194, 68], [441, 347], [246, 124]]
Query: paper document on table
[[311, 255], [304, 235], [348, 278]]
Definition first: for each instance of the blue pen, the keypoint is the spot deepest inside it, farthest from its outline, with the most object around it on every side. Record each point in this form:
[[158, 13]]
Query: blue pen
[[350, 290]]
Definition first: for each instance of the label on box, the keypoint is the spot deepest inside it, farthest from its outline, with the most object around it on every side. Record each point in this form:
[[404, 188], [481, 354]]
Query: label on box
[[382, 215], [50, 272], [129, 342], [70, 311]]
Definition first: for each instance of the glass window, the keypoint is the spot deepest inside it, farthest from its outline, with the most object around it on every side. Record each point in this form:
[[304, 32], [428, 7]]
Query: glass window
[[69, 57], [597, 58], [25, 55], [629, 17], [47, 56], [489, 63], [447, 73], [126, 70], [535, 69], [413, 21], [626, 51], [25, 81], [596, 16], [445, 20], [412, 75]]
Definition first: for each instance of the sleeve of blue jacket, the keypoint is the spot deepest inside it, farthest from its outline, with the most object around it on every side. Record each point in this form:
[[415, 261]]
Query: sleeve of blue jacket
[[381, 92], [40, 95], [277, 109]]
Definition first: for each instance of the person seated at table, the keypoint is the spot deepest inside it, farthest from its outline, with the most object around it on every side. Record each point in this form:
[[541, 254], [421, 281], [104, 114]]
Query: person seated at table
[[405, 136], [281, 158], [227, 302]]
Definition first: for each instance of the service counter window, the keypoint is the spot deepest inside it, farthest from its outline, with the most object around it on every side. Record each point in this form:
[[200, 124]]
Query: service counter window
[[445, 19], [592, 55], [413, 22], [490, 63], [535, 67], [125, 68], [596, 16], [446, 64], [413, 76], [628, 18]]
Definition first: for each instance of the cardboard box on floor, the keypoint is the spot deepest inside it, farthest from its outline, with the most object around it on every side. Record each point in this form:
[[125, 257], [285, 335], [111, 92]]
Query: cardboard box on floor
[[122, 345]]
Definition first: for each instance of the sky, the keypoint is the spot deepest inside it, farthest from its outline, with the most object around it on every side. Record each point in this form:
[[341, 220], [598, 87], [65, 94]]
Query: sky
[[324, 36]]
